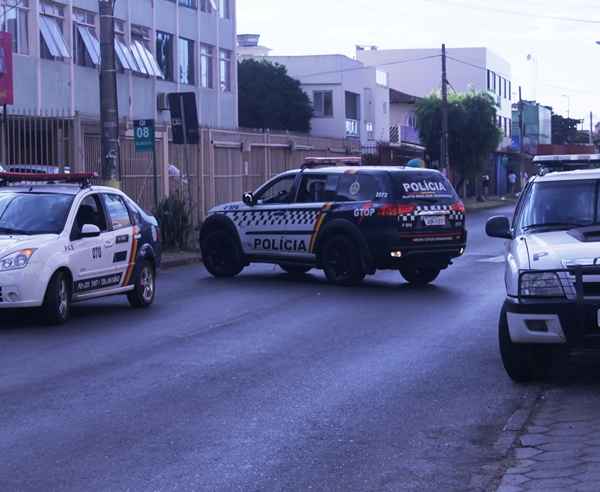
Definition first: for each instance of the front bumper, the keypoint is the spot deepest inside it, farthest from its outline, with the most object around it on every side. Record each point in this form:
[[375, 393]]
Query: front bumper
[[21, 288], [573, 323]]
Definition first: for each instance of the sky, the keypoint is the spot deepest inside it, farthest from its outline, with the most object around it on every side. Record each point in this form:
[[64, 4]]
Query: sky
[[550, 44]]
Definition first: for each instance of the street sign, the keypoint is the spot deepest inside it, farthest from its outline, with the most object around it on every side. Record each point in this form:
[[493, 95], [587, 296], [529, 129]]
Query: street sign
[[143, 133], [184, 118], [6, 69]]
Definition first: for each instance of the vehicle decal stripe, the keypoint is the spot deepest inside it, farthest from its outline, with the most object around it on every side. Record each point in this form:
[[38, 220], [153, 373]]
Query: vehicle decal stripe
[[318, 225], [132, 258]]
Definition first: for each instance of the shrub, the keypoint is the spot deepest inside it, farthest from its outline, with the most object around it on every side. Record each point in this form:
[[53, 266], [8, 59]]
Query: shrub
[[174, 220]]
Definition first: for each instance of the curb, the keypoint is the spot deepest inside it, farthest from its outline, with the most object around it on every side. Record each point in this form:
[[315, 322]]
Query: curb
[[178, 262]]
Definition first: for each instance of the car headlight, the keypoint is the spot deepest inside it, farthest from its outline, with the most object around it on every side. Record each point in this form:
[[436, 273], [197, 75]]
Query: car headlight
[[540, 284], [17, 260]]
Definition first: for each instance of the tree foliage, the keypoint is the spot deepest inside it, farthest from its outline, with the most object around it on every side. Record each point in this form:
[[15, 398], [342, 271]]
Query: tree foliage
[[564, 131], [472, 132], [270, 99]]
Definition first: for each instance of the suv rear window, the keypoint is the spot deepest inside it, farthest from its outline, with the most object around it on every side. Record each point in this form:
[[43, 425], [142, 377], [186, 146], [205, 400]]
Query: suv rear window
[[357, 188], [423, 185]]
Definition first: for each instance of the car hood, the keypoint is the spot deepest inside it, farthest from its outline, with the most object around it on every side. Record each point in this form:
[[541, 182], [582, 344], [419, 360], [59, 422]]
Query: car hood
[[557, 249], [9, 244]]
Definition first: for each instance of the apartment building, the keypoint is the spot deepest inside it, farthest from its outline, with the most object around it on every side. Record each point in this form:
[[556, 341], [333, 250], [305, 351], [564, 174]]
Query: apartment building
[[418, 72], [350, 100], [162, 46]]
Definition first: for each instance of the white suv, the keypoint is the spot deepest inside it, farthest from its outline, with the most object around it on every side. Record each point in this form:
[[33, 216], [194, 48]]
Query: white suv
[[552, 266]]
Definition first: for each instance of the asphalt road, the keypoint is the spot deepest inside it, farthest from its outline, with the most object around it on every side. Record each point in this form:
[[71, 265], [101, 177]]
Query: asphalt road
[[264, 382]]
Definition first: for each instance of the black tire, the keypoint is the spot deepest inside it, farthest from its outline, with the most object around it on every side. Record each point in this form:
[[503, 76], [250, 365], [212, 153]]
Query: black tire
[[522, 362], [142, 296], [57, 301], [340, 258], [295, 269], [419, 275], [221, 254]]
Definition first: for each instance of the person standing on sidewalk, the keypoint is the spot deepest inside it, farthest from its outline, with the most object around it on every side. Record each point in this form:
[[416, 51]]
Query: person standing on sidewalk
[[512, 181], [485, 185]]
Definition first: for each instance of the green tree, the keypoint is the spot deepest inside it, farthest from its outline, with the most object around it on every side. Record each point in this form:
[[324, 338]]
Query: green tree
[[472, 132], [270, 99], [564, 130]]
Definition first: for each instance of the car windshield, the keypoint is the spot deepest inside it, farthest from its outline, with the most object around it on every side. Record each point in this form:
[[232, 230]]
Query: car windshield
[[33, 213], [423, 187], [561, 205]]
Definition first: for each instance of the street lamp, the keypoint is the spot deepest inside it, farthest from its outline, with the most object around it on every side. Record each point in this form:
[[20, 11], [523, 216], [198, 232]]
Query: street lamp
[[568, 104]]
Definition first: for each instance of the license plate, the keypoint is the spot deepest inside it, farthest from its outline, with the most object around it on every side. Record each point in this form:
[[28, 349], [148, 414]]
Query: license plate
[[435, 221]]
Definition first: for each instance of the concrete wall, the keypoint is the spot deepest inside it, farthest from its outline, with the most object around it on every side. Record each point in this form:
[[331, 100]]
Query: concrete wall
[[340, 74], [44, 85]]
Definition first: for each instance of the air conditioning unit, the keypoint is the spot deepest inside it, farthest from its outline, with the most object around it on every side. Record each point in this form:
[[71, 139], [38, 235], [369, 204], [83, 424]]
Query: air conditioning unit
[[162, 102]]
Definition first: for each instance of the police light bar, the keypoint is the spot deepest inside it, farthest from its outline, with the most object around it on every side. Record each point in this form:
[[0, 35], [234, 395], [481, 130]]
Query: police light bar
[[81, 178], [555, 163], [310, 162]]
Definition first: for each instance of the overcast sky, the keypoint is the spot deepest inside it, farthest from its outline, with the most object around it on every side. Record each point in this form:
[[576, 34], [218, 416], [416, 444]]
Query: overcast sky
[[566, 58]]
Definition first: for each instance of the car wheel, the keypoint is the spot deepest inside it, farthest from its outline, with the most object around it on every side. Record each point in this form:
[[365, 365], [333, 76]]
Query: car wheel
[[341, 262], [221, 254], [295, 269], [144, 292], [57, 301], [522, 362], [419, 275]]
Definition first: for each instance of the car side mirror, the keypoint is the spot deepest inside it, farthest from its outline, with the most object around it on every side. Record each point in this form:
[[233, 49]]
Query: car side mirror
[[89, 230], [498, 227], [248, 199]]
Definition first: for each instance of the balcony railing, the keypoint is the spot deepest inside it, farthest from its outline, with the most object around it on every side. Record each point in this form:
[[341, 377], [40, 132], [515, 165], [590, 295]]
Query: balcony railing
[[404, 134]]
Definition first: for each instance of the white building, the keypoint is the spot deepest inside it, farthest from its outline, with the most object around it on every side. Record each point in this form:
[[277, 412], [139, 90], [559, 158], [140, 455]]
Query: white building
[[417, 72], [350, 101], [162, 46]]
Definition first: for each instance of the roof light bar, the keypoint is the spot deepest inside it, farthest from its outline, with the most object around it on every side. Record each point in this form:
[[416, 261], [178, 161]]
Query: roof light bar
[[555, 163], [81, 178], [311, 162]]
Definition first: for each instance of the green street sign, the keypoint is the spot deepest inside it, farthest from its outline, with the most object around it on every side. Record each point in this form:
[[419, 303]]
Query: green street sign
[[143, 133]]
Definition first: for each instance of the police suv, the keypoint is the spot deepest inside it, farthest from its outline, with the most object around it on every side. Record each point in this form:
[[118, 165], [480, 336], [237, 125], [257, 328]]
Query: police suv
[[343, 218], [552, 266], [63, 240]]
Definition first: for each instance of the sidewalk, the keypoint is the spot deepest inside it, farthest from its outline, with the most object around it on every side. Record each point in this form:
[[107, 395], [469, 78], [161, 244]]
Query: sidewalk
[[172, 259], [560, 447], [491, 202]]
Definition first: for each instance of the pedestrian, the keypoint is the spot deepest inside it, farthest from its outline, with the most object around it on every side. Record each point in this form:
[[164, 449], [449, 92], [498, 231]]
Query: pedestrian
[[485, 185], [512, 181]]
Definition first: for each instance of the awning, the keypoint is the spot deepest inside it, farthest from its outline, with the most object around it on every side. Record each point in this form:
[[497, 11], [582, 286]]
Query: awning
[[92, 45], [53, 37]]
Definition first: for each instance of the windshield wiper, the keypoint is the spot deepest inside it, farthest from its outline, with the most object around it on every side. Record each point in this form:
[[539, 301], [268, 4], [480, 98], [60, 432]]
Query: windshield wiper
[[9, 231], [560, 225]]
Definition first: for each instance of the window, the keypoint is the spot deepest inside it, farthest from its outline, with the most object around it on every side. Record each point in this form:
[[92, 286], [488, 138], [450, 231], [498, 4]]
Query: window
[[192, 4], [14, 15], [323, 104], [509, 90], [489, 80], [278, 191], [117, 211], [225, 70], [52, 42], [124, 57], [314, 188], [224, 9], [499, 85], [164, 53], [505, 89], [141, 57], [86, 47], [357, 188], [185, 61], [206, 66], [352, 114], [90, 212], [207, 6], [34, 213]]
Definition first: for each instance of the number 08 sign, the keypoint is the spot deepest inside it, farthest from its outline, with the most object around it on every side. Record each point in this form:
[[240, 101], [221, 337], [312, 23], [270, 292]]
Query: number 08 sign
[[143, 133]]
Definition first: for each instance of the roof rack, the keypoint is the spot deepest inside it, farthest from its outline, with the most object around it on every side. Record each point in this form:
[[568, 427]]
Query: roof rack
[[77, 178], [555, 163], [312, 162]]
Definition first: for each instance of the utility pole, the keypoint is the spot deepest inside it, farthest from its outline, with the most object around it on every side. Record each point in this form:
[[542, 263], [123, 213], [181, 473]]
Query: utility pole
[[109, 115], [445, 162], [522, 134], [591, 128]]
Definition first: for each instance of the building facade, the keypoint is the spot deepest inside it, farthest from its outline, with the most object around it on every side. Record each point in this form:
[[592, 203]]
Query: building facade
[[350, 101], [418, 72], [162, 46], [537, 126]]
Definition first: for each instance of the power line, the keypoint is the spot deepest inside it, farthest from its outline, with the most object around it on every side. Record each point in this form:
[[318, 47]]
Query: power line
[[353, 69], [516, 13]]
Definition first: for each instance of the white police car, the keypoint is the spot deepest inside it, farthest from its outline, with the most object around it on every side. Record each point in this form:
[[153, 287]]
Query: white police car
[[67, 241], [552, 266]]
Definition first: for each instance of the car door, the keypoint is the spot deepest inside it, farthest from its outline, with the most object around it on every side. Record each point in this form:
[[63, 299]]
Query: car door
[[122, 238], [89, 258], [263, 227], [315, 191]]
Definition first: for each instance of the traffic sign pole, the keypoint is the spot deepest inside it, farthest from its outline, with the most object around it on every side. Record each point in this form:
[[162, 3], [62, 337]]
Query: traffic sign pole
[[144, 138]]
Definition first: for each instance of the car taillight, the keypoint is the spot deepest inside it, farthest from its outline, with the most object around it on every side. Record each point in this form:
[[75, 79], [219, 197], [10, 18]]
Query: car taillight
[[406, 209], [458, 207], [393, 210]]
